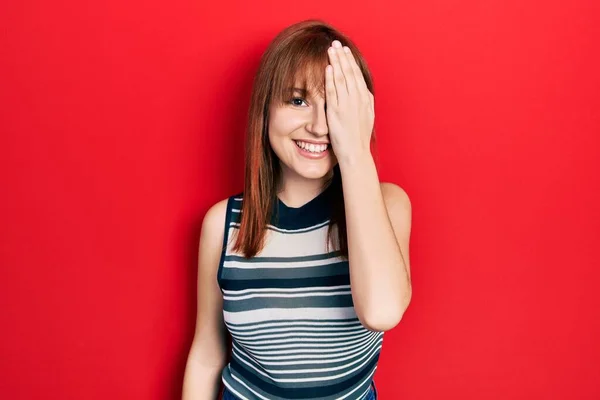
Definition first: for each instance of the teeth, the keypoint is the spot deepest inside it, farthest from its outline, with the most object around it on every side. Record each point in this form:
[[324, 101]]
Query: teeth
[[313, 148]]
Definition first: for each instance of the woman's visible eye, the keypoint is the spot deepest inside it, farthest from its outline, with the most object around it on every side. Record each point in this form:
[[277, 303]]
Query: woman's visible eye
[[294, 101]]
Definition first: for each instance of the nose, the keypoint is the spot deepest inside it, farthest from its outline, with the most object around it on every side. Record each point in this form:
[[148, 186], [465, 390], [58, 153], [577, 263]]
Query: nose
[[318, 123]]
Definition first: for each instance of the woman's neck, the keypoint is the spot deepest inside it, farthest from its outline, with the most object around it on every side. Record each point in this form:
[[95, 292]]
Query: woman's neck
[[295, 190]]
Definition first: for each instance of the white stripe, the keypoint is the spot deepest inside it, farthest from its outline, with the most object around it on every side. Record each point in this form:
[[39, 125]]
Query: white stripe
[[304, 242], [278, 229], [281, 264], [297, 339], [270, 314], [296, 333], [302, 289], [317, 329], [285, 295], [317, 324]]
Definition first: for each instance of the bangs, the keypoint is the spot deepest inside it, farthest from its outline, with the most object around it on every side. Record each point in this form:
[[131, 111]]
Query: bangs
[[303, 69]]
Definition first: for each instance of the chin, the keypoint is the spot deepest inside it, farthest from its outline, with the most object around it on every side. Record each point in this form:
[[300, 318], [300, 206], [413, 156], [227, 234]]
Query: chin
[[312, 174], [315, 171]]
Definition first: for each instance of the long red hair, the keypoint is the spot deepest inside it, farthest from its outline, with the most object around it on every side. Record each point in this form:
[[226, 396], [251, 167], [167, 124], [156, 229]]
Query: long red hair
[[296, 54]]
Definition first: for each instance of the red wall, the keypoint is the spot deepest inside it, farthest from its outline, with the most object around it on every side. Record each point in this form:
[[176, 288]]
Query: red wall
[[122, 122]]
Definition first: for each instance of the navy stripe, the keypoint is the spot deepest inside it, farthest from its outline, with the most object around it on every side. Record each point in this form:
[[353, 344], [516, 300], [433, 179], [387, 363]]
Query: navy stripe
[[258, 259], [239, 284], [225, 240], [306, 322], [256, 303]]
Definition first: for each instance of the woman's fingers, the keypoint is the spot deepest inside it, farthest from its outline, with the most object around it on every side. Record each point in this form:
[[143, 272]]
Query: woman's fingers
[[345, 76], [358, 75], [338, 75], [330, 90], [346, 67]]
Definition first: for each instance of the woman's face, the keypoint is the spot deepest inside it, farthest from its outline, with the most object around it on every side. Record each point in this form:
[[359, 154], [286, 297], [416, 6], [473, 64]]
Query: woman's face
[[299, 136]]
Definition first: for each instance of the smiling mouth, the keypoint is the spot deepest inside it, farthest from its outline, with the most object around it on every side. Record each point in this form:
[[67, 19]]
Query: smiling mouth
[[312, 148]]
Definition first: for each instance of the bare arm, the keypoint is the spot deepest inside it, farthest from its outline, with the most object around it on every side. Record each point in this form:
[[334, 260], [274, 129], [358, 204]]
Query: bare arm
[[208, 352], [378, 224], [377, 216]]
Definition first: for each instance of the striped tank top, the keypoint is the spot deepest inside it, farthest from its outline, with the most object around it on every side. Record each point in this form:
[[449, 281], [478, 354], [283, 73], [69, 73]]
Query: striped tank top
[[289, 310]]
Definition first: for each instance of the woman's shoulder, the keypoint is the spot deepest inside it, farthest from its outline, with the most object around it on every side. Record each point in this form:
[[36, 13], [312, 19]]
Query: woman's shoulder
[[216, 214], [392, 193]]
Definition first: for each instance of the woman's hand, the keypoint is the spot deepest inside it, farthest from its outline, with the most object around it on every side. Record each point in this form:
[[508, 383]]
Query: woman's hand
[[350, 106]]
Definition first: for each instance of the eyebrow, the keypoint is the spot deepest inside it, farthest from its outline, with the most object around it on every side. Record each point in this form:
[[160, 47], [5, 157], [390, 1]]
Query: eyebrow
[[303, 92], [299, 90]]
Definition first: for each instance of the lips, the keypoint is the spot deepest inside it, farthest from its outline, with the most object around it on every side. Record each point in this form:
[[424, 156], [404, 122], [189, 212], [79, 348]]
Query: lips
[[312, 151], [311, 146]]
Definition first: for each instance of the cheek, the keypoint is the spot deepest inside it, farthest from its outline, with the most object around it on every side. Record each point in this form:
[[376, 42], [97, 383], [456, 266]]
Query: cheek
[[277, 140], [283, 122], [281, 127], [276, 137], [280, 146]]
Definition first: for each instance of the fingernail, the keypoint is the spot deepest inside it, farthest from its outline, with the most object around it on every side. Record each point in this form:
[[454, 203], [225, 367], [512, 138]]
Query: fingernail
[[337, 43]]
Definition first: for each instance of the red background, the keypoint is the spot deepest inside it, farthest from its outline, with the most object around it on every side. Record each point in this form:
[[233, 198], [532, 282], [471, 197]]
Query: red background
[[123, 122]]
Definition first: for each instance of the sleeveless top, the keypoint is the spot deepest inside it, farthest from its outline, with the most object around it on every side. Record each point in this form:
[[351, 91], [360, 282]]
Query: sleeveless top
[[289, 310]]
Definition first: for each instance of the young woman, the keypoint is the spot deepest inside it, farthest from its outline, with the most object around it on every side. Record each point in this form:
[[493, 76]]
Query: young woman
[[310, 264]]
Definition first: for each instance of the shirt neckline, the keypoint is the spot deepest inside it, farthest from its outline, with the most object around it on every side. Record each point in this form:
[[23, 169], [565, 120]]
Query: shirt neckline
[[309, 214]]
